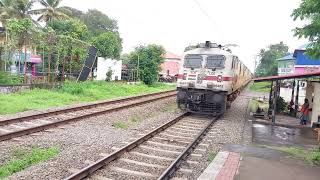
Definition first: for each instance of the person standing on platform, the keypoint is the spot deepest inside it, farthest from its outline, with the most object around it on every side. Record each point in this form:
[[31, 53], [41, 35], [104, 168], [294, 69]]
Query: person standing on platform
[[305, 112]]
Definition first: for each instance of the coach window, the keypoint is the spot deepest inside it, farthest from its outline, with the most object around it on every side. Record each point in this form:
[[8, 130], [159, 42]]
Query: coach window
[[215, 61], [193, 61]]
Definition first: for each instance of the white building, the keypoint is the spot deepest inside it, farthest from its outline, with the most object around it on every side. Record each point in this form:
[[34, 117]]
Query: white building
[[104, 65]]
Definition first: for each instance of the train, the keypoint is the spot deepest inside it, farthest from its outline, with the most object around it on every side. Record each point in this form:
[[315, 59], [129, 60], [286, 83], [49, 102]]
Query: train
[[210, 78]]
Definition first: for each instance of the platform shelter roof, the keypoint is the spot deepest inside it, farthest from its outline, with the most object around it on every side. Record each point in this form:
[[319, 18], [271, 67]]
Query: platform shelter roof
[[289, 76]]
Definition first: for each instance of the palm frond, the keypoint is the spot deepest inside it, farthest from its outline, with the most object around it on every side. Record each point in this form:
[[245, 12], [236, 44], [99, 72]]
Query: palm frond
[[44, 3], [40, 18], [37, 11]]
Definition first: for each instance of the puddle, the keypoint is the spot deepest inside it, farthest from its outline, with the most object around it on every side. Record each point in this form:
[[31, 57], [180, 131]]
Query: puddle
[[275, 135]]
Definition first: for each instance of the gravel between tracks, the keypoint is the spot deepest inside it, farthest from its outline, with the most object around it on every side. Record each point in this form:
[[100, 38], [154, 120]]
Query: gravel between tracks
[[87, 139], [227, 130]]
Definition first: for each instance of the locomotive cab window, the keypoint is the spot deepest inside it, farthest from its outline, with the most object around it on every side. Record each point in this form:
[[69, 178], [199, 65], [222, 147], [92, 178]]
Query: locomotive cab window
[[193, 61], [215, 61]]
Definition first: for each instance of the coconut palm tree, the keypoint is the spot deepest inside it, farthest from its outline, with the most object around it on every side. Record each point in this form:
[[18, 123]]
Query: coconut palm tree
[[50, 11], [15, 9], [6, 9], [22, 8]]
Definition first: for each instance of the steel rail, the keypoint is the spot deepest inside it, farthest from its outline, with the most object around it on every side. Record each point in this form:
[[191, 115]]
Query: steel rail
[[73, 119], [87, 171], [169, 172], [66, 110]]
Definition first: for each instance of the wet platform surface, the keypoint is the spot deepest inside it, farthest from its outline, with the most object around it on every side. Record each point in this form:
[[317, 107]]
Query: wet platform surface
[[283, 136], [263, 163]]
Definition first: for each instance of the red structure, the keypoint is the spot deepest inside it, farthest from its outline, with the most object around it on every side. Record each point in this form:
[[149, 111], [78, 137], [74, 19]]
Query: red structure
[[171, 65]]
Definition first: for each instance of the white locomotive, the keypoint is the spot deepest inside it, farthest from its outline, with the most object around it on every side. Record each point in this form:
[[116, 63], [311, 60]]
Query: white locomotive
[[210, 78]]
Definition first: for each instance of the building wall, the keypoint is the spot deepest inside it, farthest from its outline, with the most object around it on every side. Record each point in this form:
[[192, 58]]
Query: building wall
[[286, 67], [104, 65], [170, 65], [306, 69]]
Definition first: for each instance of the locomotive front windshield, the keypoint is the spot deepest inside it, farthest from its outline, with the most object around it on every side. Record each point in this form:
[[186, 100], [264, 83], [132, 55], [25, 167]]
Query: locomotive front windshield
[[215, 61], [193, 61]]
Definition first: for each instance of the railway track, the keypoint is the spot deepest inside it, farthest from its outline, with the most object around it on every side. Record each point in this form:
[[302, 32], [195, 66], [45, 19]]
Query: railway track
[[16, 127], [156, 155]]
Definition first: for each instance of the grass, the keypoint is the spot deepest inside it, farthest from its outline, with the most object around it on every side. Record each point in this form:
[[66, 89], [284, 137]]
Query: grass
[[23, 159], [254, 104], [121, 125], [211, 156], [310, 155], [72, 92], [261, 87], [134, 120], [172, 107]]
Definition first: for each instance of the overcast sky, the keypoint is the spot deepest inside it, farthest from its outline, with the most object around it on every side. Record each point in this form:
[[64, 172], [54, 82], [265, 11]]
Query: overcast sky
[[251, 24]]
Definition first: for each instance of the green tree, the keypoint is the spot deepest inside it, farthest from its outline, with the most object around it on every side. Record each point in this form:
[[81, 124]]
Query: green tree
[[98, 23], [148, 59], [108, 44], [309, 10], [125, 58], [20, 32], [50, 11], [71, 27], [72, 12], [268, 59]]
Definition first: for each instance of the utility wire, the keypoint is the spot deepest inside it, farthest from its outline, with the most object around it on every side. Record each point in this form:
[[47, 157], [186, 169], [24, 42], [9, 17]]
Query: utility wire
[[209, 17]]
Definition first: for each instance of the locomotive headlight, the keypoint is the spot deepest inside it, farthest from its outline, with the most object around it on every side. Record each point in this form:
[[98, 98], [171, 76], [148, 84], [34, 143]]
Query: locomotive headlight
[[219, 79]]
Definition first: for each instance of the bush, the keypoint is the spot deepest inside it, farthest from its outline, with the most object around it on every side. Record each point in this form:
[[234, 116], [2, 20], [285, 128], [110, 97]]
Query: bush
[[281, 105], [147, 59], [9, 79], [109, 75]]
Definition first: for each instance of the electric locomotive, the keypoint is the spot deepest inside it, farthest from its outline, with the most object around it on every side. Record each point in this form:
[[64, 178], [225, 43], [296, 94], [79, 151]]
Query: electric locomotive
[[210, 78]]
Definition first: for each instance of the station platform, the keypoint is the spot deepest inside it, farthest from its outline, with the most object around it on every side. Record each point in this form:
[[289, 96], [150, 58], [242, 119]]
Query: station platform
[[284, 121], [257, 160]]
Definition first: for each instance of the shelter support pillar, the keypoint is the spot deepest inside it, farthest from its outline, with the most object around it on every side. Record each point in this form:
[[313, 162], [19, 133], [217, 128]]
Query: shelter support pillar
[[296, 107], [292, 92], [276, 93], [316, 103], [270, 98]]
